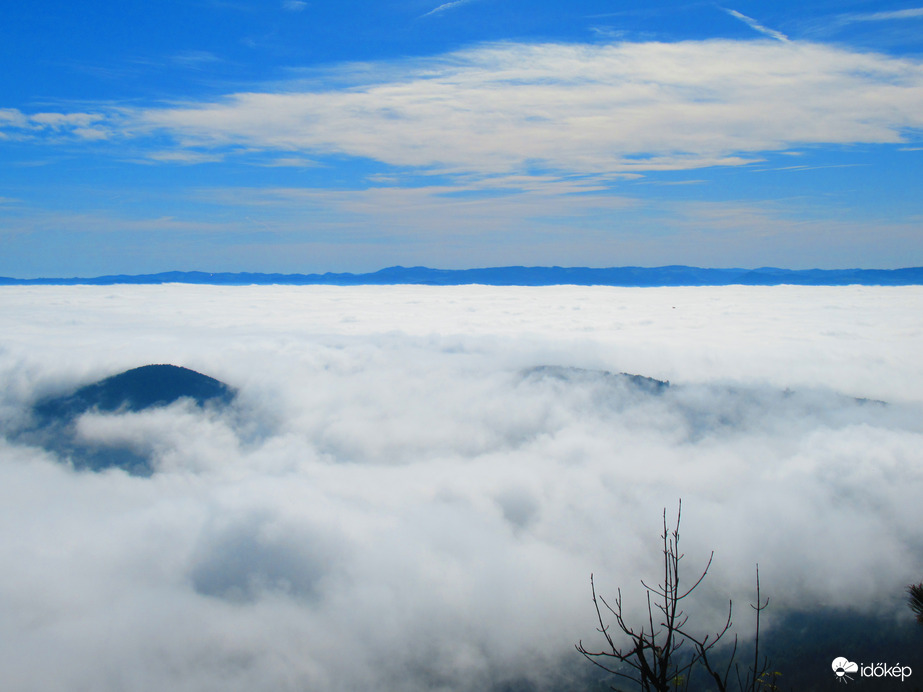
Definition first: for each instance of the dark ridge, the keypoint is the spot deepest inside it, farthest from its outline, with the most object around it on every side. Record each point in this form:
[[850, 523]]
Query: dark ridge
[[802, 645], [648, 385], [134, 390], [674, 275]]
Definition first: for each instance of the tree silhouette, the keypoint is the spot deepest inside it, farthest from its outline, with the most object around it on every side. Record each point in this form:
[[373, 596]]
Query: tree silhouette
[[653, 656], [915, 600]]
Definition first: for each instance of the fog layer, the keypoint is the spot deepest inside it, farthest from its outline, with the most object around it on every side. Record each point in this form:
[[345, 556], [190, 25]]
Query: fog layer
[[414, 484]]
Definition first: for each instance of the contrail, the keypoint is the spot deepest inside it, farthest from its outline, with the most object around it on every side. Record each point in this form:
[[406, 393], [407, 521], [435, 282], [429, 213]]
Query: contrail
[[447, 6], [755, 25]]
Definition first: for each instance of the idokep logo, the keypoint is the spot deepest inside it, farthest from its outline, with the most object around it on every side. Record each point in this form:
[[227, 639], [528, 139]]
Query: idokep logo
[[842, 667]]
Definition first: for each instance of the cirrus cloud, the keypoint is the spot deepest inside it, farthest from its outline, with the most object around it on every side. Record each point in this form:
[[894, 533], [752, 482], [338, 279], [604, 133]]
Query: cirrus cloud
[[516, 107], [626, 107]]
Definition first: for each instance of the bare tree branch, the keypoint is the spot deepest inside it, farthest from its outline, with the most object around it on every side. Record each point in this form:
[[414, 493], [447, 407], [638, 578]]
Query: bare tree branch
[[915, 600], [651, 656]]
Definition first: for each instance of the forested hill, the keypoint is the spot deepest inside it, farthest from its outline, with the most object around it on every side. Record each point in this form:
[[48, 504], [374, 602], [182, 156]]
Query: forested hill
[[524, 276]]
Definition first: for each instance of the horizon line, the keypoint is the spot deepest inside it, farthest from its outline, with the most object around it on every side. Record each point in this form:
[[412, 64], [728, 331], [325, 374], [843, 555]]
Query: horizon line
[[514, 275]]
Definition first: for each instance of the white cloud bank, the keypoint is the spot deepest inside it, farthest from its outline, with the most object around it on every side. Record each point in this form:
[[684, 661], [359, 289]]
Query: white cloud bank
[[396, 502], [624, 107], [513, 107]]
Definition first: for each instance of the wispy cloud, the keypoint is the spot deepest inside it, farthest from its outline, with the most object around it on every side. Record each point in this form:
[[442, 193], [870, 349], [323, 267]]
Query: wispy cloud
[[913, 13], [447, 6], [628, 107], [12, 117], [294, 5], [85, 126], [756, 26], [195, 58], [187, 157], [437, 214], [291, 162], [547, 108]]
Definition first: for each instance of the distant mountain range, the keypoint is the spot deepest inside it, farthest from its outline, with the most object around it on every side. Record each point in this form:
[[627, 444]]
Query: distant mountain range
[[523, 276]]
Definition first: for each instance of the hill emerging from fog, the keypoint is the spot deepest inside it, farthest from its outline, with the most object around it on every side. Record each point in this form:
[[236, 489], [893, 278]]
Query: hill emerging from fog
[[133, 391], [136, 390], [523, 276]]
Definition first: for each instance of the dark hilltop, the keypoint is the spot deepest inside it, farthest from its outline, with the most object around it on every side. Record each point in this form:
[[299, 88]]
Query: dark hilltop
[[138, 389]]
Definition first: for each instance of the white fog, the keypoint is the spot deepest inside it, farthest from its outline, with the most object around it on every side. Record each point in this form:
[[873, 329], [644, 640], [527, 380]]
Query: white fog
[[413, 484]]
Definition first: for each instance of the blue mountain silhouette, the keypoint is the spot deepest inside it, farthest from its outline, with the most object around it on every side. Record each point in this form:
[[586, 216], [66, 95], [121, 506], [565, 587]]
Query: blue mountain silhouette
[[138, 389], [674, 275]]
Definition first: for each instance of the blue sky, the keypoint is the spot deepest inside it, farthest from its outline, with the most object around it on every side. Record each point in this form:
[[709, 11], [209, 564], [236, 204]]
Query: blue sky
[[290, 136]]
